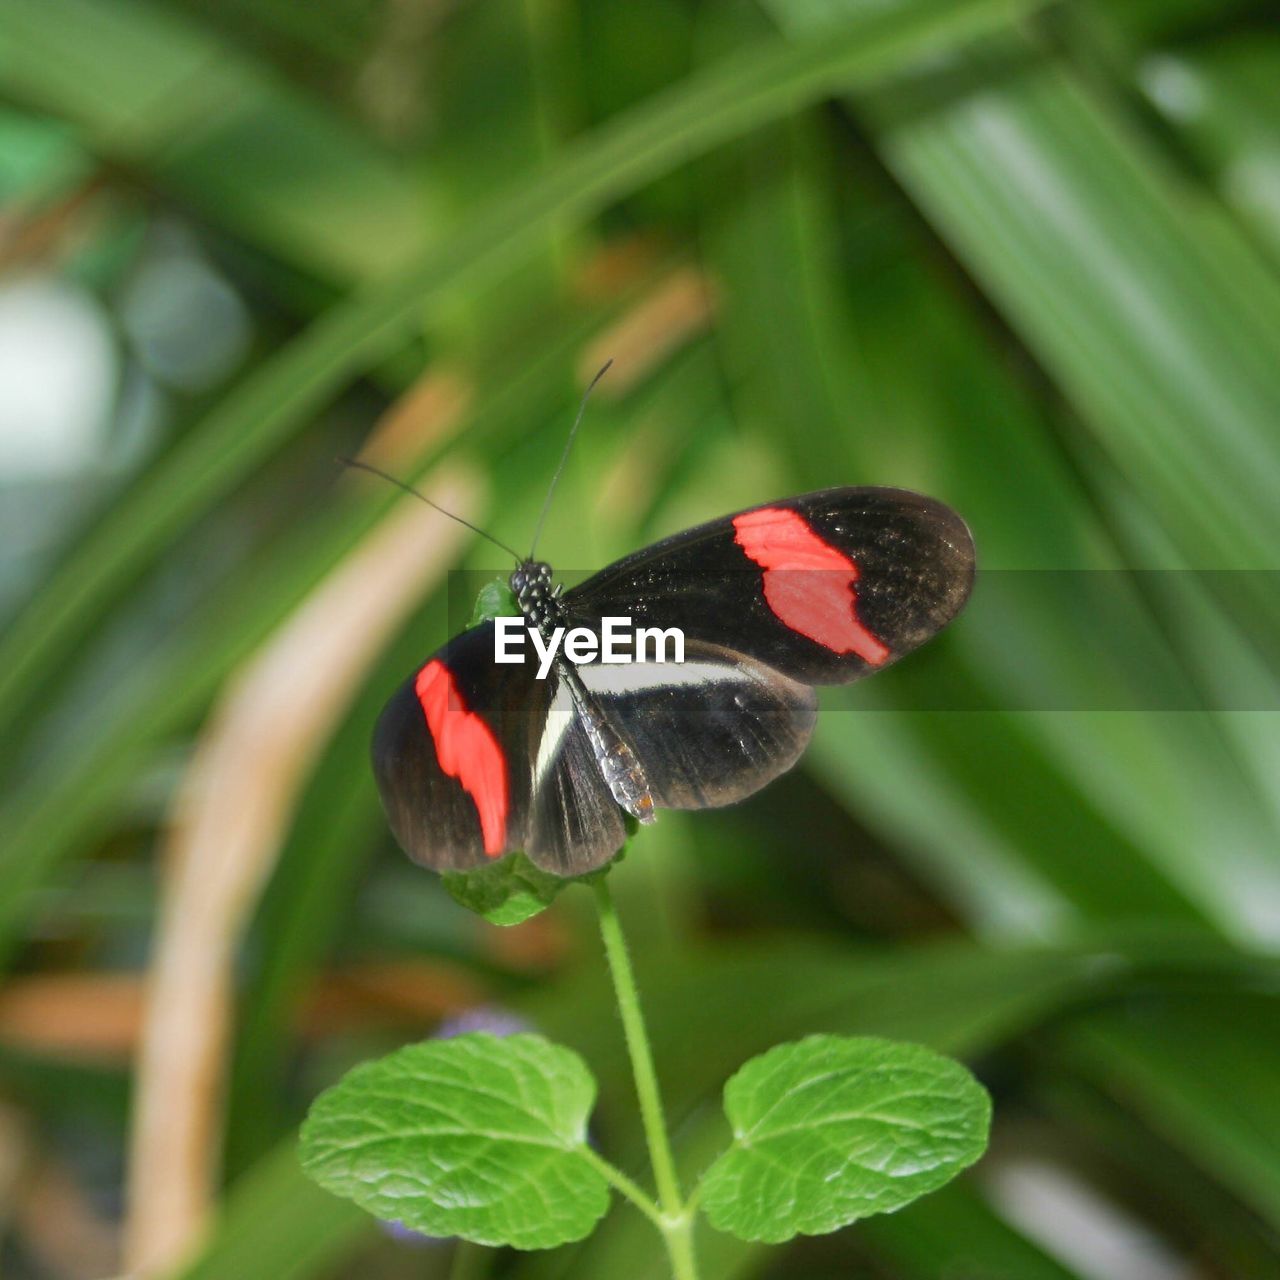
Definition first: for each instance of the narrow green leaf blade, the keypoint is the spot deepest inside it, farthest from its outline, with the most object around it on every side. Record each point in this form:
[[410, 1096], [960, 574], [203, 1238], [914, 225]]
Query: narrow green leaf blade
[[478, 1137], [831, 1129], [275, 1225], [757, 85]]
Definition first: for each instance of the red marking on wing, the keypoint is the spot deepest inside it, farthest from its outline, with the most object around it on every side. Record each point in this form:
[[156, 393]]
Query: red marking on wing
[[807, 582], [466, 750]]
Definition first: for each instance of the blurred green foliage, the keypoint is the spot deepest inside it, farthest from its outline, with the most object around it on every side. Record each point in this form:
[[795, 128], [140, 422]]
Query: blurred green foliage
[[1023, 258]]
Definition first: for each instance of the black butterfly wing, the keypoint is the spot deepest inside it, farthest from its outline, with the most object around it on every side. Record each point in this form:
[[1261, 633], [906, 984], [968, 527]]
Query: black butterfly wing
[[825, 587], [474, 759], [449, 751], [708, 731], [576, 825]]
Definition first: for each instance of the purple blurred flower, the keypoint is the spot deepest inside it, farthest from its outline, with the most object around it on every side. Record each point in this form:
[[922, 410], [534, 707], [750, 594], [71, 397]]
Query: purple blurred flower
[[407, 1235], [484, 1017]]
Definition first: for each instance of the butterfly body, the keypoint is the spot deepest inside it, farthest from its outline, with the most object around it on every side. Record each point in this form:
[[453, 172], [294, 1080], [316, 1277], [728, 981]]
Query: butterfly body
[[539, 603], [475, 758]]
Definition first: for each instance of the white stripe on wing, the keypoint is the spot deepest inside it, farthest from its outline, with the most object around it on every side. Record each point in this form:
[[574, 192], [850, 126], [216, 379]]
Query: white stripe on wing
[[560, 716], [641, 677]]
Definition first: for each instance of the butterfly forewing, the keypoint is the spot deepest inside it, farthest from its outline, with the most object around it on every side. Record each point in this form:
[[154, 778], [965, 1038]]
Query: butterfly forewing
[[826, 587], [450, 752]]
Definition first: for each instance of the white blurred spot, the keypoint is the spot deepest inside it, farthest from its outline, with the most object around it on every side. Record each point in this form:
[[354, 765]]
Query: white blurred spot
[[1172, 86], [57, 378], [1070, 1220], [188, 326]]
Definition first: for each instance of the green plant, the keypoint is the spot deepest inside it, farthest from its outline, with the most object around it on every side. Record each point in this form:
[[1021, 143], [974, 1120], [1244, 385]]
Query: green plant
[[486, 1139], [1023, 256]]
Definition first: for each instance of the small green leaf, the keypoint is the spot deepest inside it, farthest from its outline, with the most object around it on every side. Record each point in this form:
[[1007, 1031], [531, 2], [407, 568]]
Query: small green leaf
[[494, 601], [477, 1137], [831, 1129], [512, 889], [508, 891]]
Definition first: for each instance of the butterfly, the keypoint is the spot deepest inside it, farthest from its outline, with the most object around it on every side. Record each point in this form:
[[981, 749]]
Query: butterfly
[[475, 758]]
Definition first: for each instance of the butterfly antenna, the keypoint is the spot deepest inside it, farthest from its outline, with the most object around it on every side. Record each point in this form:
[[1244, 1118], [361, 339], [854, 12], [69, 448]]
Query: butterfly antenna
[[564, 457], [408, 488]]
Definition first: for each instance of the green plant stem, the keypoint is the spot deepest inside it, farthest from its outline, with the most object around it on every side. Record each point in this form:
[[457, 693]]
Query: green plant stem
[[675, 1222], [624, 985], [679, 1241], [625, 1187]]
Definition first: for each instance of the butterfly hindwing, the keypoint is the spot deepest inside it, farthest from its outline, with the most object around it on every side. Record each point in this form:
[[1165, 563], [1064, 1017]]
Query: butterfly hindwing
[[825, 587], [575, 825], [709, 731]]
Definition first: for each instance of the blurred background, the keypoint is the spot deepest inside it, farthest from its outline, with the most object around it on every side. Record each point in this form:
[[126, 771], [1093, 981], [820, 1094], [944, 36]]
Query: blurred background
[[1024, 258]]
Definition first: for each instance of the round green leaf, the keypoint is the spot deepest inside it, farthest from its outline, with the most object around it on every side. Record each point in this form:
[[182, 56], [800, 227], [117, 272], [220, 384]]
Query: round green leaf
[[478, 1137], [831, 1129]]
